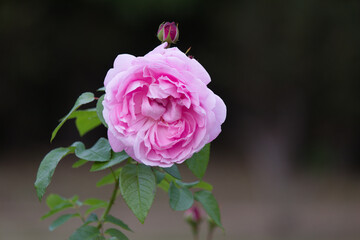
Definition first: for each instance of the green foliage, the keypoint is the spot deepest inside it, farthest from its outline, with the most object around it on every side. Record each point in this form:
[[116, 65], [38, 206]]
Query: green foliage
[[111, 219], [91, 218], [199, 161], [173, 171], [158, 175], [53, 200], [204, 185], [196, 184], [84, 98], [164, 185], [86, 120], [137, 182], [47, 168], [94, 207], [59, 208], [116, 158], [100, 152], [181, 198], [116, 233], [86, 232], [99, 110], [79, 163], [210, 205], [94, 204], [108, 179], [61, 220], [57, 203], [138, 185]]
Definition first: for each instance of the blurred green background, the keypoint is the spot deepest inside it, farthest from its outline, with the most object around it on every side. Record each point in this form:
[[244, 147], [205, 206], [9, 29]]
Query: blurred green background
[[286, 165]]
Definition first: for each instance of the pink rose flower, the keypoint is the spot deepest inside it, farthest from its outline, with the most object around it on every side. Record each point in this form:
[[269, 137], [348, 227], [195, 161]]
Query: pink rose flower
[[158, 107]]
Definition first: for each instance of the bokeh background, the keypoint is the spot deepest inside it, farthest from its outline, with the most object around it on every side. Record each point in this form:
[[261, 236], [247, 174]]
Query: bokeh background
[[286, 165]]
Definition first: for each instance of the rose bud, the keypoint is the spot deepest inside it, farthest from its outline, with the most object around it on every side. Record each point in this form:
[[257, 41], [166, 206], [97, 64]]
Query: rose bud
[[193, 214], [168, 32]]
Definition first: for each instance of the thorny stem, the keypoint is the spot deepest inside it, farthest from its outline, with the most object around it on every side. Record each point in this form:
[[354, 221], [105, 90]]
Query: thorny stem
[[111, 202]]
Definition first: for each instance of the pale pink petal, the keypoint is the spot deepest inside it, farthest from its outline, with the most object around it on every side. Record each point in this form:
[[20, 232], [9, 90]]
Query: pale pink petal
[[152, 109], [115, 144], [123, 62], [173, 112], [220, 110]]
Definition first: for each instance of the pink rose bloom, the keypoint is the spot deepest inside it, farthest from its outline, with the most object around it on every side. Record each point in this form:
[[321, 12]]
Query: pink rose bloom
[[158, 107]]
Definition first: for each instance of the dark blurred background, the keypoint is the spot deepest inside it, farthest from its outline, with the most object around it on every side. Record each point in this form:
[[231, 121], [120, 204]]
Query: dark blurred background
[[288, 72]]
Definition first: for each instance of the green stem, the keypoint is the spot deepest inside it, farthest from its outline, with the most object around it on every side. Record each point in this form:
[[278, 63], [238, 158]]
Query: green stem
[[111, 202], [196, 236], [195, 230], [78, 211], [212, 227], [210, 234]]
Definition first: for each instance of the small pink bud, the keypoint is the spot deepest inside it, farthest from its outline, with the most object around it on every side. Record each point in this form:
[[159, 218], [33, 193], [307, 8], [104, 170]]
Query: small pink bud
[[168, 32], [193, 214]]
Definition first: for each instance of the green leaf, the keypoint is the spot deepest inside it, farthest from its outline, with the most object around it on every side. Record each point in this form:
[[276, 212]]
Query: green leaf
[[204, 185], [108, 179], [158, 175], [180, 198], [54, 200], [57, 209], [79, 163], [210, 205], [84, 98], [47, 168], [94, 201], [100, 152], [116, 221], [199, 161], [99, 110], [91, 218], [164, 185], [196, 184], [173, 171], [57, 203], [116, 158], [138, 186], [86, 232], [75, 201], [95, 207], [86, 120], [169, 178], [101, 89], [186, 185], [116, 233], [61, 220]]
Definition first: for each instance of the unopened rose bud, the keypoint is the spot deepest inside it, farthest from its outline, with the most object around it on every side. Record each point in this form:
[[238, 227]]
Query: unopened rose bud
[[193, 215], [168, 32]]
